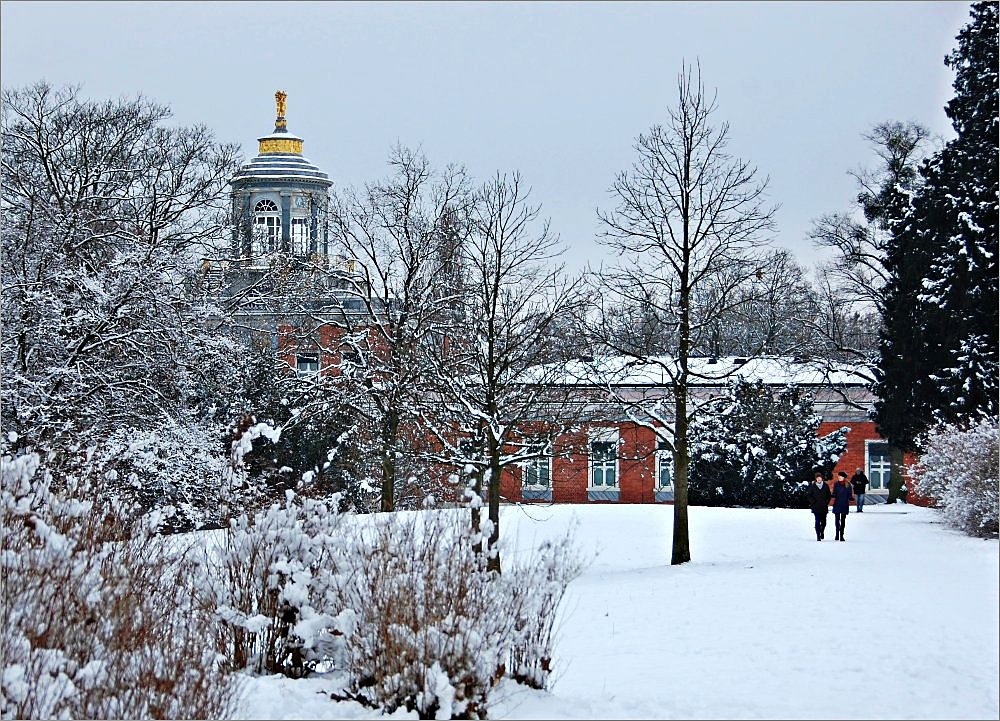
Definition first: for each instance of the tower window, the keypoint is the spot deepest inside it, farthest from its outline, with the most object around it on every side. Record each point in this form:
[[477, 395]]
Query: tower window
[[300, 236], [266, 227]]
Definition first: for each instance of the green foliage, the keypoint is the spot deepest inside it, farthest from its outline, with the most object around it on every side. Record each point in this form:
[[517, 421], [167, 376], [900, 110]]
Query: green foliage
[[942, 315], [755, 448], [317, 453]]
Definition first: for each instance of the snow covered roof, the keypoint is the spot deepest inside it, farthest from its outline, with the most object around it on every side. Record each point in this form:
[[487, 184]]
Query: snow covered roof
[[273, 166], [657, 371]]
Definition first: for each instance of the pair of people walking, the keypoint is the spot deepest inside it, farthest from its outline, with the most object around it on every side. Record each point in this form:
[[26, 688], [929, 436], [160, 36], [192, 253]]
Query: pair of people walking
[[819, 502]]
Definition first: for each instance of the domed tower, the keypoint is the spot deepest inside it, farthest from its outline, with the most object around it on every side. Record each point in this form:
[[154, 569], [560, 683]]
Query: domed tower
[[280, 199]]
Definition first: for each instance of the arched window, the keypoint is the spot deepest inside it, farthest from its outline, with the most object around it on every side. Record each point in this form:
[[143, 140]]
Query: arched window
[[266, 227]]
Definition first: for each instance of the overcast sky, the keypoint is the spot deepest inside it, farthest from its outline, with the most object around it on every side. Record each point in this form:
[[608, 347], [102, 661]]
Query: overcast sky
[[556, 90]]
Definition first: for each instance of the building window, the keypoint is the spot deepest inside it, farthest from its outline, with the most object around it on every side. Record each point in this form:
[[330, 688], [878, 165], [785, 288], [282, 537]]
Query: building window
[[307, 364], [664, 468], [879, 466], [266, 227], [538, 474], [604, 464], [300, 236], [536, 480]]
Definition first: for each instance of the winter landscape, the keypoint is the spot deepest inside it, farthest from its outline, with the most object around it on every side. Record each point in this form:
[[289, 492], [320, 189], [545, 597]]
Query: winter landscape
[[384, 439], [898, 622]]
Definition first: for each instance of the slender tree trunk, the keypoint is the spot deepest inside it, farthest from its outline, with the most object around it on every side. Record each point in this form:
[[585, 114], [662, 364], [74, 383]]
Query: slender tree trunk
[[681, 552], [390, 430], [493, 561], [476, 484], [681, 542]]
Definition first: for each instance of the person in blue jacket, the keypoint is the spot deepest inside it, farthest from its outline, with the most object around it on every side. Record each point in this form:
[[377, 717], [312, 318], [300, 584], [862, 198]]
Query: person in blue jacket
[[843, 494]]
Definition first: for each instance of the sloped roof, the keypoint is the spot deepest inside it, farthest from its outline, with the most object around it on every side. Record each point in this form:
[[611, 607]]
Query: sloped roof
[[657, 370], [280, 166]]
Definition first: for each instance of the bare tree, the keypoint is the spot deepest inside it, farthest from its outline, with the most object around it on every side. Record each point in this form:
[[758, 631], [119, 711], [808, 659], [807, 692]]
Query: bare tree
[[689, 216], [498, 405], [400, 233], [764, 314], [855, 277]]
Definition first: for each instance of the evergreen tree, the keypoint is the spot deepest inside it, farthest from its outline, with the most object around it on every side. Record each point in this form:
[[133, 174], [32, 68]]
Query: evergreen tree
[[939, 345], [755, 448]]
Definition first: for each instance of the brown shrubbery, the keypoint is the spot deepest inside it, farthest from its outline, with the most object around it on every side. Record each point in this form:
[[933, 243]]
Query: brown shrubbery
[[98, 628], [106, 619], [400, 603]]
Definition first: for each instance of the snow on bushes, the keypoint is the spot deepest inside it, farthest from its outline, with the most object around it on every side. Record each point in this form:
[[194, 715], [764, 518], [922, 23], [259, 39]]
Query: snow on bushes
[[99, 616], [401, 604], [752, 447], [269, 584], [113, 620], [435, 628], [959, 470], [174, 468]]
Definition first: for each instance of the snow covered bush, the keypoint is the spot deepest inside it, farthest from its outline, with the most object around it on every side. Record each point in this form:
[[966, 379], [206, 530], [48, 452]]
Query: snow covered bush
[[270, 583], [536, 588], [269, 577], [96, 628], [174, 469], [434, 629], [754, 448], [959, 470], [430, 631]]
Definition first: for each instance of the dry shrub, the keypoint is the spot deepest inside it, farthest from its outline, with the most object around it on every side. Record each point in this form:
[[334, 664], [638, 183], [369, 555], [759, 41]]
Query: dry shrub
[[269, 583], [434, 629], [96, 628], [536, 589]]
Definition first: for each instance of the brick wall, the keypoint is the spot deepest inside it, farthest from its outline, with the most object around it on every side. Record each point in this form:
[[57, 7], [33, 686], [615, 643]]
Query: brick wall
[[637, 463]]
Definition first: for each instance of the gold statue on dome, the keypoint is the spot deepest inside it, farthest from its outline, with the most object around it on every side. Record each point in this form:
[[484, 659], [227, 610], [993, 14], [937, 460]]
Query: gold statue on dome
[[279, 98]]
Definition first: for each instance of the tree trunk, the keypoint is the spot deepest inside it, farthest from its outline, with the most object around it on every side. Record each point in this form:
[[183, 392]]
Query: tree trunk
[[476, 484], [389, 431], [681, 543], [493, 560], [896, 490]]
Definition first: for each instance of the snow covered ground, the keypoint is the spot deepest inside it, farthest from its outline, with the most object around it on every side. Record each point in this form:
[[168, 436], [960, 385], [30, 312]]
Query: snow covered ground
[[900, 621]]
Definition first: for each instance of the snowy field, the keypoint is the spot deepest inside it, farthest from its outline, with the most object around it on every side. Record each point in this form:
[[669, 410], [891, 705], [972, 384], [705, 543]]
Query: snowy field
[[900, 621]]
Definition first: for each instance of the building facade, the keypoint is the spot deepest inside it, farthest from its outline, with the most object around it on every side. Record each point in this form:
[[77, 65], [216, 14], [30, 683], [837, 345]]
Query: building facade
[[617, 460]]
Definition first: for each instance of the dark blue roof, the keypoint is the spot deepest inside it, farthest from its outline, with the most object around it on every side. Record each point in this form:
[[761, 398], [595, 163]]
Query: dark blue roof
[[280, 166]]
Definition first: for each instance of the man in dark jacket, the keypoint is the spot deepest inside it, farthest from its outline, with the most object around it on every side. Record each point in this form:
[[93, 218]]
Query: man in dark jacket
[[860, 482], [819, 503]]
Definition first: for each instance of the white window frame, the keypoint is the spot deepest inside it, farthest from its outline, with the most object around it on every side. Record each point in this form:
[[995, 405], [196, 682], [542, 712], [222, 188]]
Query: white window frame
[[535, 465], [886, 472], [300, 236], [266, 227], [664, 460], [306, 371], [603, 435]]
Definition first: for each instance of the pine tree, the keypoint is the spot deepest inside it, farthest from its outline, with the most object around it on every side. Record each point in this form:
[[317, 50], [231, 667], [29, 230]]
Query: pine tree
[[753, 447], [939, 346]]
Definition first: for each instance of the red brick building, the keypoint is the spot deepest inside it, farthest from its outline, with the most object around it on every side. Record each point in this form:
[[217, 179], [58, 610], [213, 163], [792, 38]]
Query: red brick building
[[618, 459]]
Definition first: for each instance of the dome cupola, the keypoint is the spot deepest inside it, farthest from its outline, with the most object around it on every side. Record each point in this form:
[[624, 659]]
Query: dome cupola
[[280, 199]]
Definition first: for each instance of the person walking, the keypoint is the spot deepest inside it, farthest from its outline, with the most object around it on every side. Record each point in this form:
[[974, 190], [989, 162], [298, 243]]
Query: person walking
[[859, 481], [819, 503], [842, 495]]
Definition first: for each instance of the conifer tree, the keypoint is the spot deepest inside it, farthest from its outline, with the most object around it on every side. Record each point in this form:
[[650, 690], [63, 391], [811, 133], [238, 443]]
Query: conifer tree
[[754, 447], [939, 344]]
